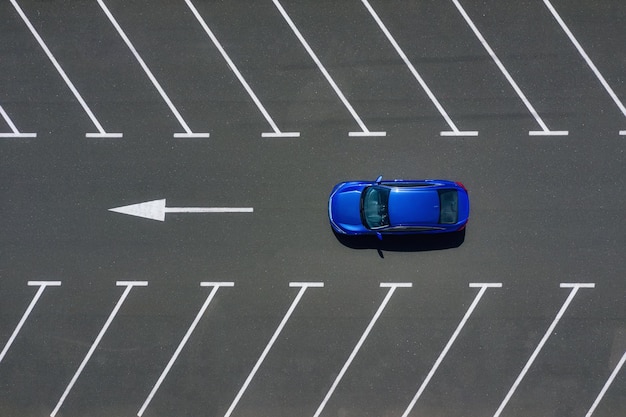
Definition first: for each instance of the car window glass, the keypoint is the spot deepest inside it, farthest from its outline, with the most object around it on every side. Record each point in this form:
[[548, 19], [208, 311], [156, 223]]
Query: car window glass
[[448, 202], [374, 207]]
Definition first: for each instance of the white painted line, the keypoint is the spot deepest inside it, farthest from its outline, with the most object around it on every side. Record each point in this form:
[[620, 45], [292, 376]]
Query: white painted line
[[417, 76], [505, 72], [321, 67], [485, 284], [217, 284], [8, 120], [240, 77], [151, 76], [392, 288], [183, 342], [588, 60], [191, 135], [104, 135], [606, 385], [129, 286], [459, 133], [622, 132], [44, 283], [396, 285], [209, 209], [442, 355], [548, 133], [366, 134], [306, 284], [42, 286], [132, 283], [280, 135], [16, 133], [546, 336], [156, 210], [577, 285], [295, 302], [60, 70]]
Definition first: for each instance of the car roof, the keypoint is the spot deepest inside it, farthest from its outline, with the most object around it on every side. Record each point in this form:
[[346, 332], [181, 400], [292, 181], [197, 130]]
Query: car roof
[[413, 206]]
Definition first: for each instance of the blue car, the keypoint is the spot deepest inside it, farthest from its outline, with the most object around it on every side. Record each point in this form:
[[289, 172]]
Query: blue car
[[398, 207]]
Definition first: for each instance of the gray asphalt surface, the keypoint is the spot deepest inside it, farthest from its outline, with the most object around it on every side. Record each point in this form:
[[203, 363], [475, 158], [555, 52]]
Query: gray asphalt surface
[[546, 210]]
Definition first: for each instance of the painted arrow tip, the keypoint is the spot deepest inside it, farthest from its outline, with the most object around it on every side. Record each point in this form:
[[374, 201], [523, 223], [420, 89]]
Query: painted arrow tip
[[153, 210]]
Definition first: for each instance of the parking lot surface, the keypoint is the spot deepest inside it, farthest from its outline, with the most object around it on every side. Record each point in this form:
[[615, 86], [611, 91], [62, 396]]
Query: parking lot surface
[[165, 170]]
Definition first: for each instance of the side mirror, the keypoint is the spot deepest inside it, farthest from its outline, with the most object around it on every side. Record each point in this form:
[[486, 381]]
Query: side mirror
[[379, 235], [379, 179]]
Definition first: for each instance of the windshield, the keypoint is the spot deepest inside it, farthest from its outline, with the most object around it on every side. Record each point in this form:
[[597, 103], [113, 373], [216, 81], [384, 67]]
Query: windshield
[[448, 201], [374, 207]]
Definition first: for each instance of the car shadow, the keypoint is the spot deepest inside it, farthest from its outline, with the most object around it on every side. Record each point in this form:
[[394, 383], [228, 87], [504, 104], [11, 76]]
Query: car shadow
[[404, 243]]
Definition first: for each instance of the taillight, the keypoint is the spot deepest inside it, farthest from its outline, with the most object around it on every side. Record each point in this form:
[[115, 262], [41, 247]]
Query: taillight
[[460, 184]]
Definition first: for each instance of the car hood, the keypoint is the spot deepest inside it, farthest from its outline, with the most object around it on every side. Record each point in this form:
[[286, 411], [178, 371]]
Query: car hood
[[345, 208], [413, 207]]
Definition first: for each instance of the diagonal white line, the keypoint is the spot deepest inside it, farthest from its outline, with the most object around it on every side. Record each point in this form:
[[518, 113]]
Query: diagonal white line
[[8, 120], [182, 343], [544, 339], [245, 385], [92, 349], [151, 76], [408, 63], [58, 67], [233, 67], [42, 286], [392, 288], [448, 346], [588, 60], [16, 133], [321, 67], [501, 66], [606, 385]]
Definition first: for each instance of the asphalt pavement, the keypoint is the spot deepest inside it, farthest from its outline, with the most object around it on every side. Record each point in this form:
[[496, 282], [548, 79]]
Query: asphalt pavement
[[242, 115]]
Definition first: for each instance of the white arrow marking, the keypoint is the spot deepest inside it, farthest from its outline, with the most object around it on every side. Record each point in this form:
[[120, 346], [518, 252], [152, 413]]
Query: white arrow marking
[[155, 210]]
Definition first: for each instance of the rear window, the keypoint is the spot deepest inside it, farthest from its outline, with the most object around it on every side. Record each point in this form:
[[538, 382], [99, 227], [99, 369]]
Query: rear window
[[448, 203]]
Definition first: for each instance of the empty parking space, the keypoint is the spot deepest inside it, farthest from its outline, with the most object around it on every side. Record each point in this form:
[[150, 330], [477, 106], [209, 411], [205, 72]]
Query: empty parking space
[[370, 337], [484, 30]]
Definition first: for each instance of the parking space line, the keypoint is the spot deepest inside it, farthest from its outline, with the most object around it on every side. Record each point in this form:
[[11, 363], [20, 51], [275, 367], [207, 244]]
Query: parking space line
[[392, 287], [607, 385], [483, 287], [454, 130], [276, 131], [545, 131], [42, 287], [16, 133], [575, 287], [101, 132], [129, 286], [588, 60], [188, 133], [183, 342], [364, 130], [303, 287]]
